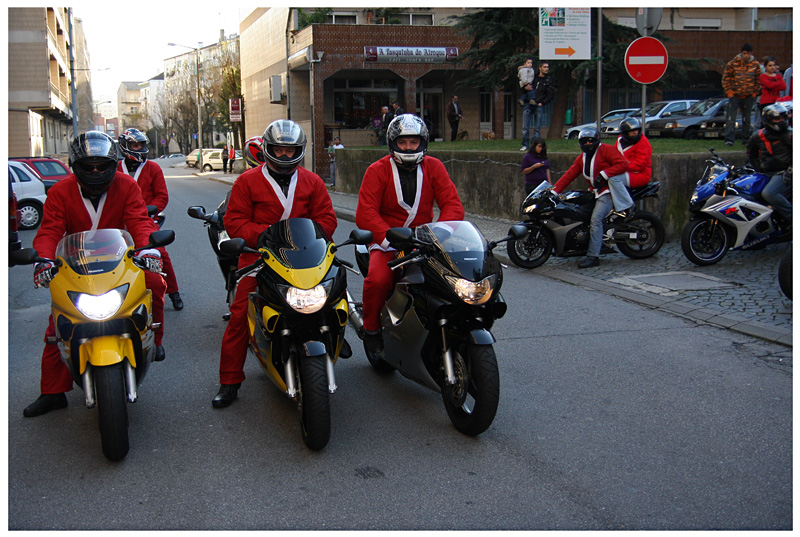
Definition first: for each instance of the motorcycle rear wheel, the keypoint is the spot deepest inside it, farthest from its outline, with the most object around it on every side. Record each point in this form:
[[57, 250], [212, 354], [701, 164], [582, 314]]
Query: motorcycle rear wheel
[[785, 273], [315, 409], [704, 241], [532, 250], [471, 403], [652, 232], [112, 411]]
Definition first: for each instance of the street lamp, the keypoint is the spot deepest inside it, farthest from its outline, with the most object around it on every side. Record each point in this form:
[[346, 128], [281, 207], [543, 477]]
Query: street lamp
[[197, 77]]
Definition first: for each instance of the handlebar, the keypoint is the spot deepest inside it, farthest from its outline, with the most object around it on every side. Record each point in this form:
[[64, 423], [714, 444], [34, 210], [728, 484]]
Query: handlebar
[[394, 263], [240, 273]]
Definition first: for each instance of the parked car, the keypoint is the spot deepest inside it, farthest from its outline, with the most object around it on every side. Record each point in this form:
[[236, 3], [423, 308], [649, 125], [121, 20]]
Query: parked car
[[686, 124], [13, 222], [173, 155], [49, 170], [208, 153], [614, 115], [30, 194], [656, 110]]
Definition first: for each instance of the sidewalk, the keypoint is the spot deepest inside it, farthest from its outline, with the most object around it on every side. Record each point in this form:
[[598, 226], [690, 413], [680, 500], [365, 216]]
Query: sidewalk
[[739, 293]]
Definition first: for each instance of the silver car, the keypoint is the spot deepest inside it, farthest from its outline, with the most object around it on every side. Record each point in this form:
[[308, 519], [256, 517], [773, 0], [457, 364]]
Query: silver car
[[613, 116], [656, 110]]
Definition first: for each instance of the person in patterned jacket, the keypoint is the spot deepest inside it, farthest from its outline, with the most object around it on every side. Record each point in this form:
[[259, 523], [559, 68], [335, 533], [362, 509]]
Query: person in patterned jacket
[[741, 83]]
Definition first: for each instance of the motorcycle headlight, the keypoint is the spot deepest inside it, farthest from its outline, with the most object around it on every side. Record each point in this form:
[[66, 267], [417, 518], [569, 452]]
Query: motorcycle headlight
[[530, 208], [99, 307], [474, 293], [306, 300]]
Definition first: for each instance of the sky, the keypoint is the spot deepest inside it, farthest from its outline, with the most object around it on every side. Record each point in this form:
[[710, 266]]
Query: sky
[[129, 41]]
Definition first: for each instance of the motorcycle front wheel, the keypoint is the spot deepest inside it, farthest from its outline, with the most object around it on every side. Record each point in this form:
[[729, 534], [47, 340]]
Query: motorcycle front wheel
[[649, 236], [704, 241], [112, 410], [471, 403], [532, 250], [315, 409]]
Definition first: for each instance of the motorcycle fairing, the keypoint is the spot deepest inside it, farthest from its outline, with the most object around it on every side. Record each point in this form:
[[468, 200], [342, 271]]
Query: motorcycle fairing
[[742, 215]]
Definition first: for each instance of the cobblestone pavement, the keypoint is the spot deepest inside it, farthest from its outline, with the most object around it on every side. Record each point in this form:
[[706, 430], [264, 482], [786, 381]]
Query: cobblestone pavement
[[739, 293]]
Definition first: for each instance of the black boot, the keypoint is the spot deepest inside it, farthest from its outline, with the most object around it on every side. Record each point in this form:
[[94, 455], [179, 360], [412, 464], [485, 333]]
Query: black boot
[[345, 351], [160, 354], [177, 302], [226, 394], [373, 341], [589, 261], [44, 404]]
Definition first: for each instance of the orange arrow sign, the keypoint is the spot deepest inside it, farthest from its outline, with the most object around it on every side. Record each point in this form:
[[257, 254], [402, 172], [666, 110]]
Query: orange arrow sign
[[569, 51]]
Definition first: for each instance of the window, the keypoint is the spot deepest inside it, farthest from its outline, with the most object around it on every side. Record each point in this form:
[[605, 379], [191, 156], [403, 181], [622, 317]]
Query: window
[[356, 102], [342, 18], [416, 19], [47, 169], [702, 24]]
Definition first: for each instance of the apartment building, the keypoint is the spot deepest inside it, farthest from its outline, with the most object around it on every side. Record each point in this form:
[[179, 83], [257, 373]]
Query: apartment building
[[40, 107]]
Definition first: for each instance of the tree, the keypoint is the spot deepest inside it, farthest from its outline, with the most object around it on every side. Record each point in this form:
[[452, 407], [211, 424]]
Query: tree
[[501, 39]]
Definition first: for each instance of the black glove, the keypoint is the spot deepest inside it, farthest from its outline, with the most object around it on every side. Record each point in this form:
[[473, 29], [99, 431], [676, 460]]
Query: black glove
[[600, 182], [43, 273]]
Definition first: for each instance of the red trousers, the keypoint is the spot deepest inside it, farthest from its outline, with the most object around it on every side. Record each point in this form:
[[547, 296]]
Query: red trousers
[[237, 335], [55, 374], [378, 285], [172, 282]]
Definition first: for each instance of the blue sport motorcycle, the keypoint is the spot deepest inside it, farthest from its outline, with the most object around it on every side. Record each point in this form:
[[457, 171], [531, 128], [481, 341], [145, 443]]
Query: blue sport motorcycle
[[729, 213]]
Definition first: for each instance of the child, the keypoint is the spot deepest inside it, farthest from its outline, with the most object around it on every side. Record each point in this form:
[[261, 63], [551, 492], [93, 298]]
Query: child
[[535, 165], [525, 73]]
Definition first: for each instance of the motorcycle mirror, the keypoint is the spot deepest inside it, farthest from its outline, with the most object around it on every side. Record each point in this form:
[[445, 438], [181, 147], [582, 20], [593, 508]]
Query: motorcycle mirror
[[516, 232], [162, 237], [400, 237], [152, 210], [196, 211], [25, 256], [357, 236], [232, 246]]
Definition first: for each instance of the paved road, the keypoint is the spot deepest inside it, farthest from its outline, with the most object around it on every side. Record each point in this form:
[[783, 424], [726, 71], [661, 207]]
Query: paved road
[[613, 415]]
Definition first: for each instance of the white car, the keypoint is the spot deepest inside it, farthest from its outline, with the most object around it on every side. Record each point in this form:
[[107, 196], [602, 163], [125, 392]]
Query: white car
[[615, 115], [29, 191]]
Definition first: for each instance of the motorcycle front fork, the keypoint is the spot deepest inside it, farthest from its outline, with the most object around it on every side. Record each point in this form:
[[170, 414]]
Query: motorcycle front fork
[[290, 367]]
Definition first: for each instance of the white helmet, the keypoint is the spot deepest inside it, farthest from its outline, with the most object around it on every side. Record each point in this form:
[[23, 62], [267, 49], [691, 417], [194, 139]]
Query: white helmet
[[407, 125]]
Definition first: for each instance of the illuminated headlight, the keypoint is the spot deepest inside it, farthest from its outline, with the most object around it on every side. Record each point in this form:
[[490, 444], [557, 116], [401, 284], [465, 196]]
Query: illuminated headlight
[[693, 198], [703, 125], [99, 308], [673, 125], [474, 293], [306, 300], [531, 208]]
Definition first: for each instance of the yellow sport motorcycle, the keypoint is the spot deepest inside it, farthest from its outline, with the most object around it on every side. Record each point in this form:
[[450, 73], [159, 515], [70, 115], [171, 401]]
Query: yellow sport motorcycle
[[103, 317], [298, 315]]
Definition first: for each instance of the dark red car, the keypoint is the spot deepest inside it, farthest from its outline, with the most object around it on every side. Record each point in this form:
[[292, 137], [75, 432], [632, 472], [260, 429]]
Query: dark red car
[[49, 170]]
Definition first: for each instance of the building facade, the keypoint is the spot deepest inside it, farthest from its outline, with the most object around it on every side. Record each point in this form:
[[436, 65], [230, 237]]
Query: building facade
[[40, 76], [129, 105]]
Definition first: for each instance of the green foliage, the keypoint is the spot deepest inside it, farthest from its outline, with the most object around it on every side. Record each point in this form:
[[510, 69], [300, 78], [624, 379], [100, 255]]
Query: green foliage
[[317, 16]]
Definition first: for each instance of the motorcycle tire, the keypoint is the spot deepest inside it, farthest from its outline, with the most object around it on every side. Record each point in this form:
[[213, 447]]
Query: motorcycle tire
[[315, 408], [112, 410], [378, 364], [652, 232], [704, 241], [471, 403], [785, 273], [532, 250]]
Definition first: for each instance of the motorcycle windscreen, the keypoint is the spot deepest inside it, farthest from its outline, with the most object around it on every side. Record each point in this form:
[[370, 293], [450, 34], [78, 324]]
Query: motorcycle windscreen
[[461, 246], [298, 243], [94, 252]]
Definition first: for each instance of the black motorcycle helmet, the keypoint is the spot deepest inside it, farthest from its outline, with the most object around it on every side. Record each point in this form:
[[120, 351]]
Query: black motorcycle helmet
[[129, 137], [93, 159], [630, 124], [776, 117], [286, 133], [589, 139]]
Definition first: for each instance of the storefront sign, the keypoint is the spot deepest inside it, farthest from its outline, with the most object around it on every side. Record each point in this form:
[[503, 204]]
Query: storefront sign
[[410, 54], [235, 109]]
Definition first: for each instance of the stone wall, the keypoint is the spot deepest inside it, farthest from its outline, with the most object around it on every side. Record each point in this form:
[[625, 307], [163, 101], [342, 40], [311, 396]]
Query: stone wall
[[490, 183]]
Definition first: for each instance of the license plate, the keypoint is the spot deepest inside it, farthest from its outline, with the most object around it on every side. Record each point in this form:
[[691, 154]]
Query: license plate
[[653, 133], [712, 135]]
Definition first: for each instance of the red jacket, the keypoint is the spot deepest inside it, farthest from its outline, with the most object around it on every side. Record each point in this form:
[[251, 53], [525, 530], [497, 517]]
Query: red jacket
[[66, 212], [255, 205], [380, 204], [638, 156], [606, 161], [771, 88], [150, 179]]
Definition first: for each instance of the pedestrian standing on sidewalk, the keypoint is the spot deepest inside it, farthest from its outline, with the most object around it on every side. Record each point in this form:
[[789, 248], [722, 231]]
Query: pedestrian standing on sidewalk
[[741, 82], [231, 158], [225, 158], [335, 144], [772, 84]]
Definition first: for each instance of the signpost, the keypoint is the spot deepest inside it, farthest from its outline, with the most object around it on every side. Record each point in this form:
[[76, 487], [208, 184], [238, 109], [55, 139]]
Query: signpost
[[565, 33], [646, 62]]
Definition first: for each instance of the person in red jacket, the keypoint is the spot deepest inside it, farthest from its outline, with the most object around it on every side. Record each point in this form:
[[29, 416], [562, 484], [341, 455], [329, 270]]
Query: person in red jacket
[[94, 196], [150, 178], [260, 197], [598, 163], [772, 84], [636, 148], [398, 191]]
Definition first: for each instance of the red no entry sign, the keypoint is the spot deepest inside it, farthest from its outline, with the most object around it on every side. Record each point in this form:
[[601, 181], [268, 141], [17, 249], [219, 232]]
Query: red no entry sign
[[646, 60]]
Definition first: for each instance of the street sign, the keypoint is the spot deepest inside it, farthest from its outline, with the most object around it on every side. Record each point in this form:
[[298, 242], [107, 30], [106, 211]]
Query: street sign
[[648, 19], [565, 33], [163, 141], [646, 60], [235, 109]]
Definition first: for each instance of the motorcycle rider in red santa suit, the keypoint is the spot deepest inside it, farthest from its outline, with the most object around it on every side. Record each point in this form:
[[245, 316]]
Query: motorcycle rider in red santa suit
[[597, 163], [399, 191], [636, 148], [260, 197], [94, 196], [150, 178]]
